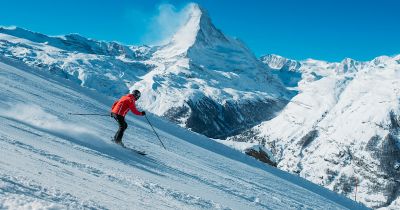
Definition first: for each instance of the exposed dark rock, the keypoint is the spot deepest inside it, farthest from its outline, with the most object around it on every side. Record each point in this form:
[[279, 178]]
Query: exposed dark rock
[[394, 122], [261, 155], [250, 135], [345, 185], [389, 156], [331, 175], [223, 120], [387, 151], [373, 143], [308, 138], [175, 114]]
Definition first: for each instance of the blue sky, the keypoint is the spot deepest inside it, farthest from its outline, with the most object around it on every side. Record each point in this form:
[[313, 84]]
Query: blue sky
[[299, 29]]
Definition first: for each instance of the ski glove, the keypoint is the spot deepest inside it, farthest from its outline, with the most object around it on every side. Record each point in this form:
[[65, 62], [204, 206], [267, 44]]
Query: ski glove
[[143, 113]]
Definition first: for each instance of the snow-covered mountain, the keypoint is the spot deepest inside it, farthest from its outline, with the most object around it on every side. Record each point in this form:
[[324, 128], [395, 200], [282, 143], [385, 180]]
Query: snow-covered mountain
[[210, 82], [77, 43], [317, 118], [287, 70], [342, 130], [52, 160], [280, 63], [106, 67], [201, 79]]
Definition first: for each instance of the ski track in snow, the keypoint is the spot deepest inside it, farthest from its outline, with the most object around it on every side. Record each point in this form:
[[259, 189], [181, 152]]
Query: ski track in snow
[[51, 160]]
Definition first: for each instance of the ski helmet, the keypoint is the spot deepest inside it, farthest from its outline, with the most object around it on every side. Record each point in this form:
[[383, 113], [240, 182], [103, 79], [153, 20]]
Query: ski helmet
[[136, 94]]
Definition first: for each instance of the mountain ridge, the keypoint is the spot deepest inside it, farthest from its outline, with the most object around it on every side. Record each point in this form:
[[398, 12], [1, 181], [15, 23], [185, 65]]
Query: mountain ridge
[[343, 122], [204, 66], [219, 88], [209, 74]]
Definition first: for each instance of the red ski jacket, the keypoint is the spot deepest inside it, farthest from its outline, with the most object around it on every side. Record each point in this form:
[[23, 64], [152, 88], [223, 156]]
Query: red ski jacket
[[124, 104]]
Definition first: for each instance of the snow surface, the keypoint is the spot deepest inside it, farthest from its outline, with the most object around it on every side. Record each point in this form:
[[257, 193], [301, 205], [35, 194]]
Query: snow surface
[[50, 159]]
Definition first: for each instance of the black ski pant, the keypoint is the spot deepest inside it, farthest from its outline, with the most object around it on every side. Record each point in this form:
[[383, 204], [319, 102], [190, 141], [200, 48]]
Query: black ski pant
[[122, 127]]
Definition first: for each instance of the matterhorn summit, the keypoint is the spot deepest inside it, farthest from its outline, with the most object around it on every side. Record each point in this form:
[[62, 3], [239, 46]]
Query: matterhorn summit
[[196, 30], [209, 82], [205, 45]]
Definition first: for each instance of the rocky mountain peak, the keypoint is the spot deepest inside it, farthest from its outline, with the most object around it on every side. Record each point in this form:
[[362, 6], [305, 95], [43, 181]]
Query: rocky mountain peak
[[280, 63], [198, 29]]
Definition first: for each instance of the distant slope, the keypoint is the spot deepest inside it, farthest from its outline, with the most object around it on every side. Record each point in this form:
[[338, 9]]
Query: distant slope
[[109, 68], [342, 129], [54, 160]]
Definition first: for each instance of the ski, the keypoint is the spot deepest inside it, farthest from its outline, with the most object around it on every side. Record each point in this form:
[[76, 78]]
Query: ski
[[129, 148], [134, 150]]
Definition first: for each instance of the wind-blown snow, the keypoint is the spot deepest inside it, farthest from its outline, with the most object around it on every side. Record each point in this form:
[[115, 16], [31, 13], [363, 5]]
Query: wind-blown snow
[[185, 37], [49, 161], [35, 116]]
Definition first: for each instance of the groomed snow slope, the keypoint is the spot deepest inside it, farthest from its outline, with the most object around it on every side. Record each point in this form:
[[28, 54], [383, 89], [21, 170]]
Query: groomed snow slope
[[50, 159]]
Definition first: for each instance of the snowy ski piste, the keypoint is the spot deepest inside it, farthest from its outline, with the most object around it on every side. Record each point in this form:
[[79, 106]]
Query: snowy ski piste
[[52, 160]]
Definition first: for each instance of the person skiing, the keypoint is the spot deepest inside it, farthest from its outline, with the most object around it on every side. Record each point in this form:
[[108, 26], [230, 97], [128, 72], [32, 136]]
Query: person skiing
[[120, 108]]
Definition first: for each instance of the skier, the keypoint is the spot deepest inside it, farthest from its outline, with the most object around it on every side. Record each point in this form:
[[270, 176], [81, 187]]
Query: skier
[[120, 108]]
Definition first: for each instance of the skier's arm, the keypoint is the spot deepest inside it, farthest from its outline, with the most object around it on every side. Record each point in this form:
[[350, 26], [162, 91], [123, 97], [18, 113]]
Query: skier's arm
[[115, 103], [132, 107]]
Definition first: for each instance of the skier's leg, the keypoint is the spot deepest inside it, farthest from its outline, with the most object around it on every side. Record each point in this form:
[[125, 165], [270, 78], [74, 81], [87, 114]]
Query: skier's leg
[[122, 127], [116, 119]]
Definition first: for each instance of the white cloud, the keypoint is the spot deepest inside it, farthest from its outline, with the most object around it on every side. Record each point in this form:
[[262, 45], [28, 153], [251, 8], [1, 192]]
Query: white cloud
[[164, 24]]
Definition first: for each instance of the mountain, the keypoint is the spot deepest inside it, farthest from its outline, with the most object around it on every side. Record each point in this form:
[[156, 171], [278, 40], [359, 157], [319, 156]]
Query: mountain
[[77, 43], [202, 79], [209, 82], [317, 119], [110, 71], [285, 69], [277, 62], [52, 160], [342, 129]]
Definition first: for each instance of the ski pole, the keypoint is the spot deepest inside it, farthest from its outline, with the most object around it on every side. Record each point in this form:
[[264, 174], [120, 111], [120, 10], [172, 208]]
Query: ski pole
[[155, 132], [88, 114]]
